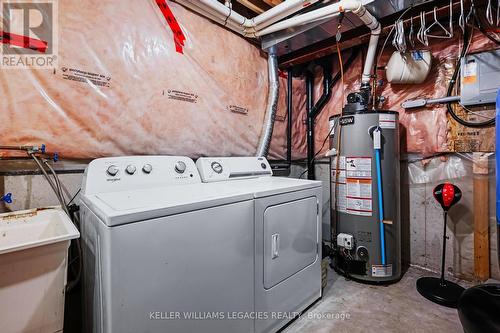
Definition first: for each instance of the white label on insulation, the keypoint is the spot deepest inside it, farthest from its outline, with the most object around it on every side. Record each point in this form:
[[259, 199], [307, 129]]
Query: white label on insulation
[[387, 120]]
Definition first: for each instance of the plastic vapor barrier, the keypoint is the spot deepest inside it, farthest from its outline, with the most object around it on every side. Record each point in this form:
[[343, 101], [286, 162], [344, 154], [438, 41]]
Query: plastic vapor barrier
[[124, 85]]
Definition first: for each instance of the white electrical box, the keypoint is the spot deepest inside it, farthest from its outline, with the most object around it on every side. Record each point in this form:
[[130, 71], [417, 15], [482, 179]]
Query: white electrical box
[[479, 78], [345, 241]]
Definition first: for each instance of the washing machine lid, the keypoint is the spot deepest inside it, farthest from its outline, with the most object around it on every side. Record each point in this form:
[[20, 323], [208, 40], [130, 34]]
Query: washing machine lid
[[116, 208], [267, 186]]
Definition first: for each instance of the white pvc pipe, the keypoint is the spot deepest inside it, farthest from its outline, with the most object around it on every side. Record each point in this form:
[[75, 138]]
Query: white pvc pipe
[[263, 20], [346, 5], [279, 12], [222, 9], [372, 23], [211, 14]]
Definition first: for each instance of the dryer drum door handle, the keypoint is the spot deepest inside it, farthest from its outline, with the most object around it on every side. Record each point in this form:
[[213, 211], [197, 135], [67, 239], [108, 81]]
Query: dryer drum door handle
[[275, 246]]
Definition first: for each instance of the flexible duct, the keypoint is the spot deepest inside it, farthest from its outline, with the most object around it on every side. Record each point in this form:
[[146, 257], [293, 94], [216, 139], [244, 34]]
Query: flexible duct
[[272, 103], [265, 24]]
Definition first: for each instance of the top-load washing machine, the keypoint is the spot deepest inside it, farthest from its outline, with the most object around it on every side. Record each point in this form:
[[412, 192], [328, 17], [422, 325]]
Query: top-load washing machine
[[164, 252], [287, 227]]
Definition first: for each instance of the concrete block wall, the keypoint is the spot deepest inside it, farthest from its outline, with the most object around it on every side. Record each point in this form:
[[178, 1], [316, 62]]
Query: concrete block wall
[[33, 191]]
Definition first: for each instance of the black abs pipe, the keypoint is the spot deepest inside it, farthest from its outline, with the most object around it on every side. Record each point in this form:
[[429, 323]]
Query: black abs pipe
[[314, 109]]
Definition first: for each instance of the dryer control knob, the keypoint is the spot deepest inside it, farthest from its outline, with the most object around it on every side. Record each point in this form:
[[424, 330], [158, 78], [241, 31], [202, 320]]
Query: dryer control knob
[[180, 167], [217, 167], [147, 168], [112, 170], [130, 169]]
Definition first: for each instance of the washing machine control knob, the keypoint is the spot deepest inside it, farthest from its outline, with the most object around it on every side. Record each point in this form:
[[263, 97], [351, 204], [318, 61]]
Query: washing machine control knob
[[130, 169], [180, 167], [147, 168], [217, 167], [112, 170]]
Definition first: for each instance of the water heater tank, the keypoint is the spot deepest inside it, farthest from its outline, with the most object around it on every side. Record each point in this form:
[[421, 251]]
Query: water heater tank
[[365, 195]]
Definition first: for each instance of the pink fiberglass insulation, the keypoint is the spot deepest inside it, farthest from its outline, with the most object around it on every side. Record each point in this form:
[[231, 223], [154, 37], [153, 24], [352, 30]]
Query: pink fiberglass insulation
[[144, 98], [423, 131]]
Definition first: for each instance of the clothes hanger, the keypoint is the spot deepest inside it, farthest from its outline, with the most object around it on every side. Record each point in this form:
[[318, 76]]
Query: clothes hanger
[[437, 24], [421, 37], [411, 34]]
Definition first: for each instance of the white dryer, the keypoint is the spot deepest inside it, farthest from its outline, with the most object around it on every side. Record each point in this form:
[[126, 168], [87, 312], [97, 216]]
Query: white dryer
[[164, 252], [287, 227]]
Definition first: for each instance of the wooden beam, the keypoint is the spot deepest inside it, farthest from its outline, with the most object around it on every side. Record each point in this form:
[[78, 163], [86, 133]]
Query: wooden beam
[[273, 3], [253, 7], [481, 219]]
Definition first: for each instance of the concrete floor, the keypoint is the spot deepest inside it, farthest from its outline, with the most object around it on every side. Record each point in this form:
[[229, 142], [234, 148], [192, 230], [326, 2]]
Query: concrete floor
[[348, 306]]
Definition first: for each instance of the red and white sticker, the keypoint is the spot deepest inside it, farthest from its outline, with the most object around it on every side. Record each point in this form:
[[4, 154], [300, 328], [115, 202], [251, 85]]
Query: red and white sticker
[[358, 167], [357, 206], [359, 185], [359, 196], [353, 185], [342, 198], [387, 120], [359, 188], [339, 190]]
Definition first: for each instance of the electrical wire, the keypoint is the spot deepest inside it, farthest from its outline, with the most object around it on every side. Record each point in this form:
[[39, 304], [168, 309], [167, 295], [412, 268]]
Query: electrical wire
[[74, 196], [483, 30], [341, 68]]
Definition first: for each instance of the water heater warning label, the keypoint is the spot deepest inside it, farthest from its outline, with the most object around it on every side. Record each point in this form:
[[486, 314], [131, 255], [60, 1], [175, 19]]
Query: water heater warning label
[[359, 196], [339, 190], [353, 181], [359, 167]]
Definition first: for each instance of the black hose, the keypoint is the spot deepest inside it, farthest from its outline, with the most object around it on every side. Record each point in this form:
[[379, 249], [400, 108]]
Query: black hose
[[483, 30], [451, 85]]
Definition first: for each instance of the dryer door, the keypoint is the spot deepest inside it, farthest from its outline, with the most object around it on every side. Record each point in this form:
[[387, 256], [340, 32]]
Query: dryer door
[[287, 256], [290, 239]]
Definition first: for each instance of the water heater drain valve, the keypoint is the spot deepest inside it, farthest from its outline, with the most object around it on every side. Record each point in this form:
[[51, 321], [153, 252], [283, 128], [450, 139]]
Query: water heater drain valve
[[345, 241]]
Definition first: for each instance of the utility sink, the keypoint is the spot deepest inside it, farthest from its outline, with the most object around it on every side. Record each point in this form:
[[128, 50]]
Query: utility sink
[[33, 264], [30, 228]]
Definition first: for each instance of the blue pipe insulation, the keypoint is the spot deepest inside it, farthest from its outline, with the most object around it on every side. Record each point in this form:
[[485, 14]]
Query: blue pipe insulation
[[380, 205]]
